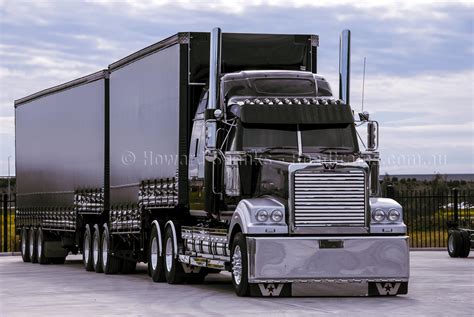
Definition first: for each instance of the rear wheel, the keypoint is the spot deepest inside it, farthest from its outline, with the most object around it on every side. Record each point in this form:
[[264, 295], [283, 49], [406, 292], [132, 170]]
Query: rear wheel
[[155, 256], [96, 250], [32, 246], [87, 258], [466, 244], [25, 255], [173, 269], [42, 259], [239, 264], [110, 264], [454, 243]]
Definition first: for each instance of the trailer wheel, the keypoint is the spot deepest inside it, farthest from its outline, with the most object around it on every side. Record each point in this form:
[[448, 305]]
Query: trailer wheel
[[173, 270], [239, 265], [466, 244], [25, 253], [454, 243], [87, 249], [96, 250], [42, 259], [128, 267], [32, 246], [110, 263], [155, 256]]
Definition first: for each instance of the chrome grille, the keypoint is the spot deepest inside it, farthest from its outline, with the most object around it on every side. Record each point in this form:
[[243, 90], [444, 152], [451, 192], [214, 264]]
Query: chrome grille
[[323, 199]]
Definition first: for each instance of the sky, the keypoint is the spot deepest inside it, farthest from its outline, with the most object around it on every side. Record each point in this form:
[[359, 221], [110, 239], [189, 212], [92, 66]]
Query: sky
[[419, 59]]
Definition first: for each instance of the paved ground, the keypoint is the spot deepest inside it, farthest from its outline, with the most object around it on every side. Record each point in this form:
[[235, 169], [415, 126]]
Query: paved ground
[[439, 286]]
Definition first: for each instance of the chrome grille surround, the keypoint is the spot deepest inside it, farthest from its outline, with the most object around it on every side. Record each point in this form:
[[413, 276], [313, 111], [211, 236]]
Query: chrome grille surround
[[329, 200]]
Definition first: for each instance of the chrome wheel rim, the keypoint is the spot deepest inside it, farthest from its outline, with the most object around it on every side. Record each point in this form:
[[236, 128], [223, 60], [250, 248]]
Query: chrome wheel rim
[[32, 243], [95, 249], [86, 250], [39, 243], [237, 265], [154, 253], [451, 243], [105, 249], [169, 254]]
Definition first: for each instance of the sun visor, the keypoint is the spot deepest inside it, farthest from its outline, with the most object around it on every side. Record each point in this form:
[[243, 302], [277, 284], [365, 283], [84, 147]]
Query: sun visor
[[296, 114]]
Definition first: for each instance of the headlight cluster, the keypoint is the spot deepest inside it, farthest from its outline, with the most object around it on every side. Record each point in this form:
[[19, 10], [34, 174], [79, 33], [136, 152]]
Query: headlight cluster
[[380, 215], [263, 215]]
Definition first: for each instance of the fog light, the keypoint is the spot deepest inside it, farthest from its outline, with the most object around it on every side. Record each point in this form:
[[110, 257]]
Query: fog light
[[393, 215], [262, 215], [277, 215], [378, 215]]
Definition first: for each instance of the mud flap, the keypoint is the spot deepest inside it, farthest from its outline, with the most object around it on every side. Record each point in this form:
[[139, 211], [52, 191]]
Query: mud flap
[[270, 289], [388, 288]]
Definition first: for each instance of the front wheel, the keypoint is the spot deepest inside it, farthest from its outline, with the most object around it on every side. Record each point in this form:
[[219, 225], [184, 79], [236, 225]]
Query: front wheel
[[239, 266]]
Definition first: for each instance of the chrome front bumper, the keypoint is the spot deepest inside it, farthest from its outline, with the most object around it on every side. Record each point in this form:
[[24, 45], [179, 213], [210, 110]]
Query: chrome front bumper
[[328, 266]]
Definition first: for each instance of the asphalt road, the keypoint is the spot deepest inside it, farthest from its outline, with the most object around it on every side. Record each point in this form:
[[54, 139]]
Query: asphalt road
[[439, 286]]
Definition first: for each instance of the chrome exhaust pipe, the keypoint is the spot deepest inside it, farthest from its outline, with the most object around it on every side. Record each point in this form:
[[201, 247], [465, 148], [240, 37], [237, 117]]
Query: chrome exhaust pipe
[[215, 68], [345, 66]]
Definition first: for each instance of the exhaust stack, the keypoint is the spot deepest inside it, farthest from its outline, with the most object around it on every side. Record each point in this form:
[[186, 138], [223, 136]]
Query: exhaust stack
[[215, 68], [344, 65]]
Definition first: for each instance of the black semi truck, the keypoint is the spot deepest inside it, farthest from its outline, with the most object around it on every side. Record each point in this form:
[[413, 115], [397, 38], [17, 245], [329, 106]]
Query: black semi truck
[[208, 152]]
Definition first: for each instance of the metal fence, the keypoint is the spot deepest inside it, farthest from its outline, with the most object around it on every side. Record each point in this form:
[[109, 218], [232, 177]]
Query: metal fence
[[426, 214], [9, 240]]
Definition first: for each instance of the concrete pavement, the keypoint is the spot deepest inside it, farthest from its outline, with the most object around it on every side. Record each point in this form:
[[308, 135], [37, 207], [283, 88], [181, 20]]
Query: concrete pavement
[[439, 286]]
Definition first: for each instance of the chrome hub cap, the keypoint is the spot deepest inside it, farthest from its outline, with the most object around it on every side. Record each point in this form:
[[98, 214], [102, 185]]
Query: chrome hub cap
[[154, 253], [169, 254], [86, 250], [23, 242], [32, 243], [105, 250], [237, 265], [95, 249], [39, 243]]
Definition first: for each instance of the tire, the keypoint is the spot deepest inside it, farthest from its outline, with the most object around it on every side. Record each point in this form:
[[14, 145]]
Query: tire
[[155, 259], [42, 259], [239, 265], [109, 263], [466, 244], [128, 267], [174, 272], [87, 249], [25, 251], [454, 243], [96, 250], [32, 245]]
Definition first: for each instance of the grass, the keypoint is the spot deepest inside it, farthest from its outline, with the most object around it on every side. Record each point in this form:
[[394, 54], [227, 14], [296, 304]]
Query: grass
[[13, 240]]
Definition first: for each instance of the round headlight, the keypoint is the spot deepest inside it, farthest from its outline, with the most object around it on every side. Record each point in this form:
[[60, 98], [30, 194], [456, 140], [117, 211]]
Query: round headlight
[[262, 215], [393, 215], [276, 215], [378, 215]]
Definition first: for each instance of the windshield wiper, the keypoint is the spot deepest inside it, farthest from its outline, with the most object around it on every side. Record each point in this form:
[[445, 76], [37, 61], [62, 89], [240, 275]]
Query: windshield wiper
[[324, 149], [276, 148]]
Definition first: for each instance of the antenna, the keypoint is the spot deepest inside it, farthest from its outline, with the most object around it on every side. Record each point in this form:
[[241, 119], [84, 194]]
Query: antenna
[[363, 86]]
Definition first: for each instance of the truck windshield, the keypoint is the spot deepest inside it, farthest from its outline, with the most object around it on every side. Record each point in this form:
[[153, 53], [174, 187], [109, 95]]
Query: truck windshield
[[314, 138]]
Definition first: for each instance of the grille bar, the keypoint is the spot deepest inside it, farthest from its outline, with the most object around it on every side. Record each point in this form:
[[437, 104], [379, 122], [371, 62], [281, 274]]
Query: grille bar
[[323, 199]]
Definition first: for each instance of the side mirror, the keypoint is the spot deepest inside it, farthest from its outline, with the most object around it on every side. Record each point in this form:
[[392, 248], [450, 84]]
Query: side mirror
[[372, 135], [364, 116]]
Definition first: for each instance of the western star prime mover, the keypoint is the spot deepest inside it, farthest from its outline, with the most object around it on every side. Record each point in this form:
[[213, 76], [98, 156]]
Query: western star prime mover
[[208, 152]]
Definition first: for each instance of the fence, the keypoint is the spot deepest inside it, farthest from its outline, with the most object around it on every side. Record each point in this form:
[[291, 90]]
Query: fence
[[426, 214], [9, 240]]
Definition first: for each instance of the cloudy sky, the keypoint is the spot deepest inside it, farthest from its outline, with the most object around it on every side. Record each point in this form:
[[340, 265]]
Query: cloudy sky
[[419, 82]]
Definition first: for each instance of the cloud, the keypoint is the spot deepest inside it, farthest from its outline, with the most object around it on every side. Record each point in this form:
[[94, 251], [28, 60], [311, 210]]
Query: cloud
[[419, 81]]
